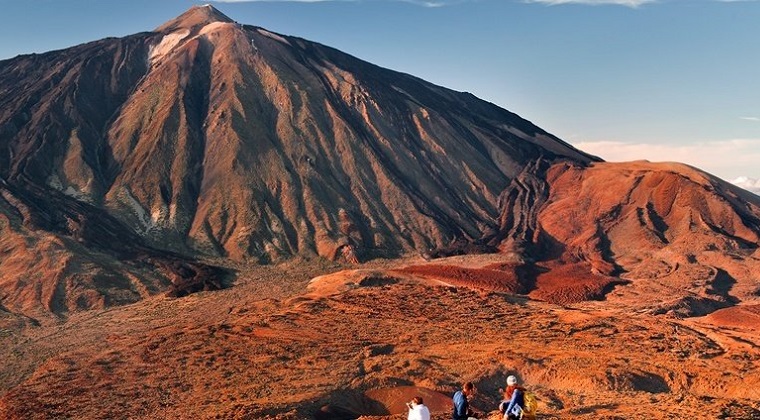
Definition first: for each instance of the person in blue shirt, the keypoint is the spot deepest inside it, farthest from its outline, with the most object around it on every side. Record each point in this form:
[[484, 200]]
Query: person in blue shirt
[[462, 409], [514, 400]]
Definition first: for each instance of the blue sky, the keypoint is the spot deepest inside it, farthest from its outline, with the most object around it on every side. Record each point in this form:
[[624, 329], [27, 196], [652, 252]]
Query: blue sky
[[663, 80]]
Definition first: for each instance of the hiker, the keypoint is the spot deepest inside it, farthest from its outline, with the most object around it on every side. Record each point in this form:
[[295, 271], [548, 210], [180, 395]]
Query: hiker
[[461, 406], [418, 410], [514, 400]]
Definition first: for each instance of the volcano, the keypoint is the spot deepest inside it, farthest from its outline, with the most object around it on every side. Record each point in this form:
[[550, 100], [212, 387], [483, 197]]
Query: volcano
[[210, 139]]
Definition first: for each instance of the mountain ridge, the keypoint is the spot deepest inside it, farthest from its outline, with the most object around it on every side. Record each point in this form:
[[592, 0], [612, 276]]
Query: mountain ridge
[[195, 16]]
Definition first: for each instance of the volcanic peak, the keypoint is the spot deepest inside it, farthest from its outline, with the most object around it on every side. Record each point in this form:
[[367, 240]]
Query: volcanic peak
[[193, 17]]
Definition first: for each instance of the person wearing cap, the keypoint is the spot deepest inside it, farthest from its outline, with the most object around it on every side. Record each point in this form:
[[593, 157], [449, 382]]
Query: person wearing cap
[[417, 410], [514, 399]]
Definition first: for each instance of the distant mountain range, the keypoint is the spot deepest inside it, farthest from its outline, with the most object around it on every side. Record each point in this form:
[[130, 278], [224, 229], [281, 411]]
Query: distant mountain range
[[126, 162]]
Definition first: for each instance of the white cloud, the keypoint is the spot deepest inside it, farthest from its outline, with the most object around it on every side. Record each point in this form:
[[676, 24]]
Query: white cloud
[[727, 159], [439, 3], [753, 119], [627, 3], [273, 1], [424, 3], [749, 184], [429, 3]]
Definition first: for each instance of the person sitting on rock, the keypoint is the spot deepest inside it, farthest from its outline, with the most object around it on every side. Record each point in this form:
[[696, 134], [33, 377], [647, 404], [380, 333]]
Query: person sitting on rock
[[514, 400], [462, 409], [418, 410]]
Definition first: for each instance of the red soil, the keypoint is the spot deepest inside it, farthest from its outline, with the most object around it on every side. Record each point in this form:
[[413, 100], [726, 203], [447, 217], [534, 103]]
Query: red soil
[[481, 278]]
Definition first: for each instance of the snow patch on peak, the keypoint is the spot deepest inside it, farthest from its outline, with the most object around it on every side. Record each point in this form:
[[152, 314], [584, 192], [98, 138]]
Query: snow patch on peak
[[157, 52]]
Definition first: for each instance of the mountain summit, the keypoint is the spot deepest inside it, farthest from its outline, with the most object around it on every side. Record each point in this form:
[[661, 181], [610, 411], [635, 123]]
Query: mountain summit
[[196, 16]]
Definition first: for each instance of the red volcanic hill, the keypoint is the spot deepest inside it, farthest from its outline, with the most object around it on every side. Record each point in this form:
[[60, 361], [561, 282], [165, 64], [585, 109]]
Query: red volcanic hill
[[682, 240], [669, 229], [125, 161]]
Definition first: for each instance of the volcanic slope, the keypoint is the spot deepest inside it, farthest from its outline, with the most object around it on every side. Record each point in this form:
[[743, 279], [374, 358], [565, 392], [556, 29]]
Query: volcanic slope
[[215, 138], [673, 231], [210, 139]]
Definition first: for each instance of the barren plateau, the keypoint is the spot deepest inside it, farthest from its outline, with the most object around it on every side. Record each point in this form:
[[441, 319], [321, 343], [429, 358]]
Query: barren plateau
[[360, 342]]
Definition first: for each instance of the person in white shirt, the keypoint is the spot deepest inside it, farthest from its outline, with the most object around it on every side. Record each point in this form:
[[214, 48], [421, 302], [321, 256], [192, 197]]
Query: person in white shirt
[[418, 410]]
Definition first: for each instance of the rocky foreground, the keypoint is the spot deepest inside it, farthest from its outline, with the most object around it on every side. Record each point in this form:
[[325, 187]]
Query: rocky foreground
[[362, 342]]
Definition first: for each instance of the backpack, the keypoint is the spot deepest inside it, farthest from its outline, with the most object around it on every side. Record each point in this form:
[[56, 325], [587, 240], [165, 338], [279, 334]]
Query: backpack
[[529, 411]]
